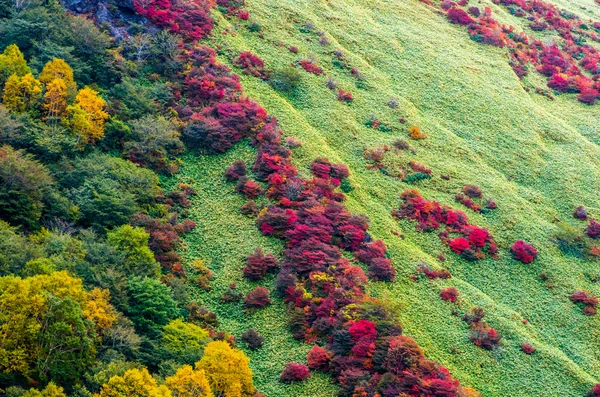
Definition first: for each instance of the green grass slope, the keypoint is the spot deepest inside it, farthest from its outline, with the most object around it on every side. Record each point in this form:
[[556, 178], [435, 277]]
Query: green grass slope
[[537, 158]]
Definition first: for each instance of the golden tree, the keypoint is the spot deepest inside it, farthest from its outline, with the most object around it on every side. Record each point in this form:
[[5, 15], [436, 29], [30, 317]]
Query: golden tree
[[227, 370], [58, 69], [21, 93], [55, 100], [49, 391], [188, 382], [12, 62], [134, 383], [87, 116]]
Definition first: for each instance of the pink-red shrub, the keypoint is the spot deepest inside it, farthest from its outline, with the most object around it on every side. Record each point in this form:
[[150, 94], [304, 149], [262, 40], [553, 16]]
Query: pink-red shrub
[[294, 372], [523, 252], [449, 294], [257, 298], [258, 264]]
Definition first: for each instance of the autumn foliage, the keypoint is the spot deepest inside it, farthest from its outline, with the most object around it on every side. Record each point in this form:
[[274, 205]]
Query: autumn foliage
[[523, 252]]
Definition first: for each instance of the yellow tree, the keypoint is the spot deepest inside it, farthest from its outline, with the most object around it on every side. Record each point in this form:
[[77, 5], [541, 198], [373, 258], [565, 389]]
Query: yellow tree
[[227, 370], [55, 100], [188, 382], [12, 62], [49, 391], [58, 69], [48, 320], [87, 116], [134, 383], [21, 93]]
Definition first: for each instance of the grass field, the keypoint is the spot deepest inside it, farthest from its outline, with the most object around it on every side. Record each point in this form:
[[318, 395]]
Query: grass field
[[537, 158]]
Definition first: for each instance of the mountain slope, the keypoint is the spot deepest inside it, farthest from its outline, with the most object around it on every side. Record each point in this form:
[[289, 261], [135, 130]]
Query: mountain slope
[[537, 158]]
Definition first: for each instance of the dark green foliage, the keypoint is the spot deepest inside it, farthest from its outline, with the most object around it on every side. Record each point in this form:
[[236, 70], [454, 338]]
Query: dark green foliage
[[15, 250], [107, 190], [23, 184], [151, 305], [285, 80]]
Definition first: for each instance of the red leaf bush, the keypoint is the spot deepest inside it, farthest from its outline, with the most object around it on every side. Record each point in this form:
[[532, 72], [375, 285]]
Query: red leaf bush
[[251, 64], [258, 265], [459, 16], [258, 298], [311, 67], [294, 373], [319, 358], [345, 96], [523, 252], [449, 294], [527, 348], [593, 229], [589, 301], [482, 335]]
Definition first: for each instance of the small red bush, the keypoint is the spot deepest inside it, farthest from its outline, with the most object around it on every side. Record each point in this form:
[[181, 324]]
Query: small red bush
[[449, 294], [345, 96], [236, 171], [257, 298], [459, 16], [523, 252], [527, 348], [294, 372], [459, 244], [258, 264], [319, 358], [593, 229], [595, 392], [589, 301], [310, 67]]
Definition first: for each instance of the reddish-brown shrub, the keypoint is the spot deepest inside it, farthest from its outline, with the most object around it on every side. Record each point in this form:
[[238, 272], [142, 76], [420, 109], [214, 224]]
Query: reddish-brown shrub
[[580, 213], [474, 11], [593, 229], [310, 67], [236, 171], [595, 392], [319, 358], [449, 294], [459, 244], [523, 252], [258, 264], [484, 336], [257, 298], [472, 191], [381, 269], [251, 64], [344, 96], [589, 301], [294, 372], [293, 49], [527, 348]]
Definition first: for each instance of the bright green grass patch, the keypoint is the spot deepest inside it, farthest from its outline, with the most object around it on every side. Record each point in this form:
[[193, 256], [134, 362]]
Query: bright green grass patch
[[537, 158]]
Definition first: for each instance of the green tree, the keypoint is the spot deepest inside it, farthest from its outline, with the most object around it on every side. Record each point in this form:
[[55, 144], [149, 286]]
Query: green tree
[[185, 341], [51, 390], [23, 184], [15, 250], [132, 242], [151, 305]]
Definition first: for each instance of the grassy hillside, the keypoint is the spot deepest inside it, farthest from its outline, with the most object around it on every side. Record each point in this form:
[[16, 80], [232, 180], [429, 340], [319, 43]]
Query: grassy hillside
[[537, 158]]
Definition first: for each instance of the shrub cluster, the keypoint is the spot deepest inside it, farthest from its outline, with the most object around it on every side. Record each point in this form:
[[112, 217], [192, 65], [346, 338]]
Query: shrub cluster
[[482, 335], [472, 242], [589, 302]]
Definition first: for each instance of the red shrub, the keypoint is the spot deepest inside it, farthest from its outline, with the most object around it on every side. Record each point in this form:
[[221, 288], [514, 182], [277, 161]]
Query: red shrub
[[449, 294], [593, 229], [589, 301], [474, 11], [381, 269], [257, 298], [293, 49], [258, 264], [249, 188], [319, 358], [484, 336], [294, 373], [345, 96], [251, 64], [243, 15], [595, 392], [459, 244], [310, 67], [559, 82], [459, 16], [523, 252], [527, 348], [588, 96]]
